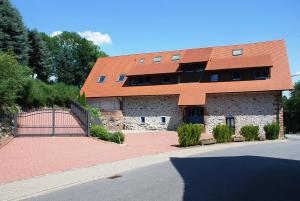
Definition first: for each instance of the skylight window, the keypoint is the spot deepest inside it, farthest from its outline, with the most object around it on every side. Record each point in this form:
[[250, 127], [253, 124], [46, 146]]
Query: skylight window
[[142, 60], [121, 78], [101, 79], [237, 52], [176, 57], [157, 59]]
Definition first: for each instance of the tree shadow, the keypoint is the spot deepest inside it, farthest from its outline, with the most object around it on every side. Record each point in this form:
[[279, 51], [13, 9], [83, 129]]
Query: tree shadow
[[242, 178]]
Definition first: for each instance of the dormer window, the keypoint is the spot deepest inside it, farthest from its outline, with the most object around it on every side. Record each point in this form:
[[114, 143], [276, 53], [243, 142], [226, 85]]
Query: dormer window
[[157, 59], [237, 52], [142, 60], [121, 78], [101, 79], [176, 57]]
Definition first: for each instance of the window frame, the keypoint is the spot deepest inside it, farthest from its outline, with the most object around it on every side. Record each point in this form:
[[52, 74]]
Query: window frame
[[211, 76], [157, 57], [178, 57], [121, 75], [231, 121], [142, 120], [100, 81], [163, 122], [235, 52]]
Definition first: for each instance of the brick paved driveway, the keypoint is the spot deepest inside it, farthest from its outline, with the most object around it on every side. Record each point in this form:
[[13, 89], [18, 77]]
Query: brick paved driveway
[[25, 157]]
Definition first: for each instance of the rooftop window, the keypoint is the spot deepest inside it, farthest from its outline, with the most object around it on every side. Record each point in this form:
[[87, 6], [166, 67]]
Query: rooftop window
[[101, 79], [237, 52], [176, 57], [157, 59], [121, 78], [142, 60]]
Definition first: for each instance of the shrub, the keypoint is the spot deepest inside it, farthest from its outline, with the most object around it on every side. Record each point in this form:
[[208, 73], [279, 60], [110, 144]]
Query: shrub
[[117, 137], [189, 134], [272, 131], [222, 133], [101, 133], [250, 132]]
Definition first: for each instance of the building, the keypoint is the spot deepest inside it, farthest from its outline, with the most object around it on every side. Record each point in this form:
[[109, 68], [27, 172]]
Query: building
[[235, 85]]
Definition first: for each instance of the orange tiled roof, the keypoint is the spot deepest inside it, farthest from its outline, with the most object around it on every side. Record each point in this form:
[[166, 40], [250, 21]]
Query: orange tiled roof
[[112, 67], [153, 68], [239, 62]]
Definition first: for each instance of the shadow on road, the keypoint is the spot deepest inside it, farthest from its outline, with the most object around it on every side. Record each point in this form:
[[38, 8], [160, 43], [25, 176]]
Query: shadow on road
[[239, 178]]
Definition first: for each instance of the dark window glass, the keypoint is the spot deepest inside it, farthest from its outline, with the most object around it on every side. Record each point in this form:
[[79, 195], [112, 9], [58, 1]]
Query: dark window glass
[[236, 75], [121, 78], [142, 120], [163, 120], [148, 80], [230, 123], [141, 80], [101, 79], [214, 77], [261, 74], [166, 79]]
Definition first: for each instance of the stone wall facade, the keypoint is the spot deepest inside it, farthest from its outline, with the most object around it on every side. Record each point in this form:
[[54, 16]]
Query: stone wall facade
[[246, 108], [152, 108]]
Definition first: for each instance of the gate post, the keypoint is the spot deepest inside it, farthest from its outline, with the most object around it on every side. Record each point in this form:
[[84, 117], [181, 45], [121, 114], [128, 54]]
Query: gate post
[[53, 121], [87, 124]]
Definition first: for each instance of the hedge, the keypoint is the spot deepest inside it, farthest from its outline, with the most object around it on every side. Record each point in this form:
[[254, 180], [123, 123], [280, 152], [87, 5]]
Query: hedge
[[250, 132], [222, 133], [272, 131], [189, 134]]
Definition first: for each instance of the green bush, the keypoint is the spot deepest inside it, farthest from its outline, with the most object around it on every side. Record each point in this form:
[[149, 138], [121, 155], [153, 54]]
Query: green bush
[[250, 132], [189, 134], [101, 133], [117, 137], [272, 131], [222, 133]]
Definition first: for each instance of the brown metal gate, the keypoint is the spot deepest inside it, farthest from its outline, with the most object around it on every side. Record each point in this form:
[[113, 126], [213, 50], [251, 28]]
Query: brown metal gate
[[52, 121]]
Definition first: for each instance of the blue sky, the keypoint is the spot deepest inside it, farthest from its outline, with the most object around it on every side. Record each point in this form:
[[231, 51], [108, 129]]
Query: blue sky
[[135, 26]]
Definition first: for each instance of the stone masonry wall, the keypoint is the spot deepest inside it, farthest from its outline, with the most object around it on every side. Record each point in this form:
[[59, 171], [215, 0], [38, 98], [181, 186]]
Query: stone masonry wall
[[246, 108], [152, 108]]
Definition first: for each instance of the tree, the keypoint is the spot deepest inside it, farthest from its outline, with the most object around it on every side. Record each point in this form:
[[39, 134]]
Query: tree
[[39, 56], [291, 108], [13, 34], [73, 57], [13, 76]]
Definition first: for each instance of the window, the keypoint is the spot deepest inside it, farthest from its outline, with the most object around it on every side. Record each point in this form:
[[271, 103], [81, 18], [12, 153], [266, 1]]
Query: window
[[166, 79], [148, 80], [142, 60], [236, 75], [101, 79], [176, 57], [142, 120], [157, 59], [261, 74], [237, 52], [214, 77], [230, 123], [121, 78], [162, 120]]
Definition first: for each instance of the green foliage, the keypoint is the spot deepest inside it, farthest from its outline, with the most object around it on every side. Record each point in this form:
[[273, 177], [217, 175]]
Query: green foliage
[[272, 131], [222, 133], [12, 79], [101, 133], [82, 99], [189, 134], [13, 34], [38, 94], [39, 56], [250, 132], [73, 57], [291, 108]]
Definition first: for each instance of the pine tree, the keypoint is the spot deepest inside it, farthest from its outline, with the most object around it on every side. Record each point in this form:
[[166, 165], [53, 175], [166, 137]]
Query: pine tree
[[39, 56], [13, 34]]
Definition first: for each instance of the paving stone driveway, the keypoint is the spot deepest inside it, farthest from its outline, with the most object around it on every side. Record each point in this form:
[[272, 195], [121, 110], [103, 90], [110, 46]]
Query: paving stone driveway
[[26, 157]]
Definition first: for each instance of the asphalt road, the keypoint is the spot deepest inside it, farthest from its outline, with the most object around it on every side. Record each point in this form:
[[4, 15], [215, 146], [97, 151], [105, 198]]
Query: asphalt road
[[256, 172]]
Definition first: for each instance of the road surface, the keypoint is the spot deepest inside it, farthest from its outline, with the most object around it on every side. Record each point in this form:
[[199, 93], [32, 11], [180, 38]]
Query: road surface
[[255, 172]]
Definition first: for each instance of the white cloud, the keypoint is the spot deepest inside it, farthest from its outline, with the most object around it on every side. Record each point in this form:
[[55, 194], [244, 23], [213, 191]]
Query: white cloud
[[96, 37], [55, 33]]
